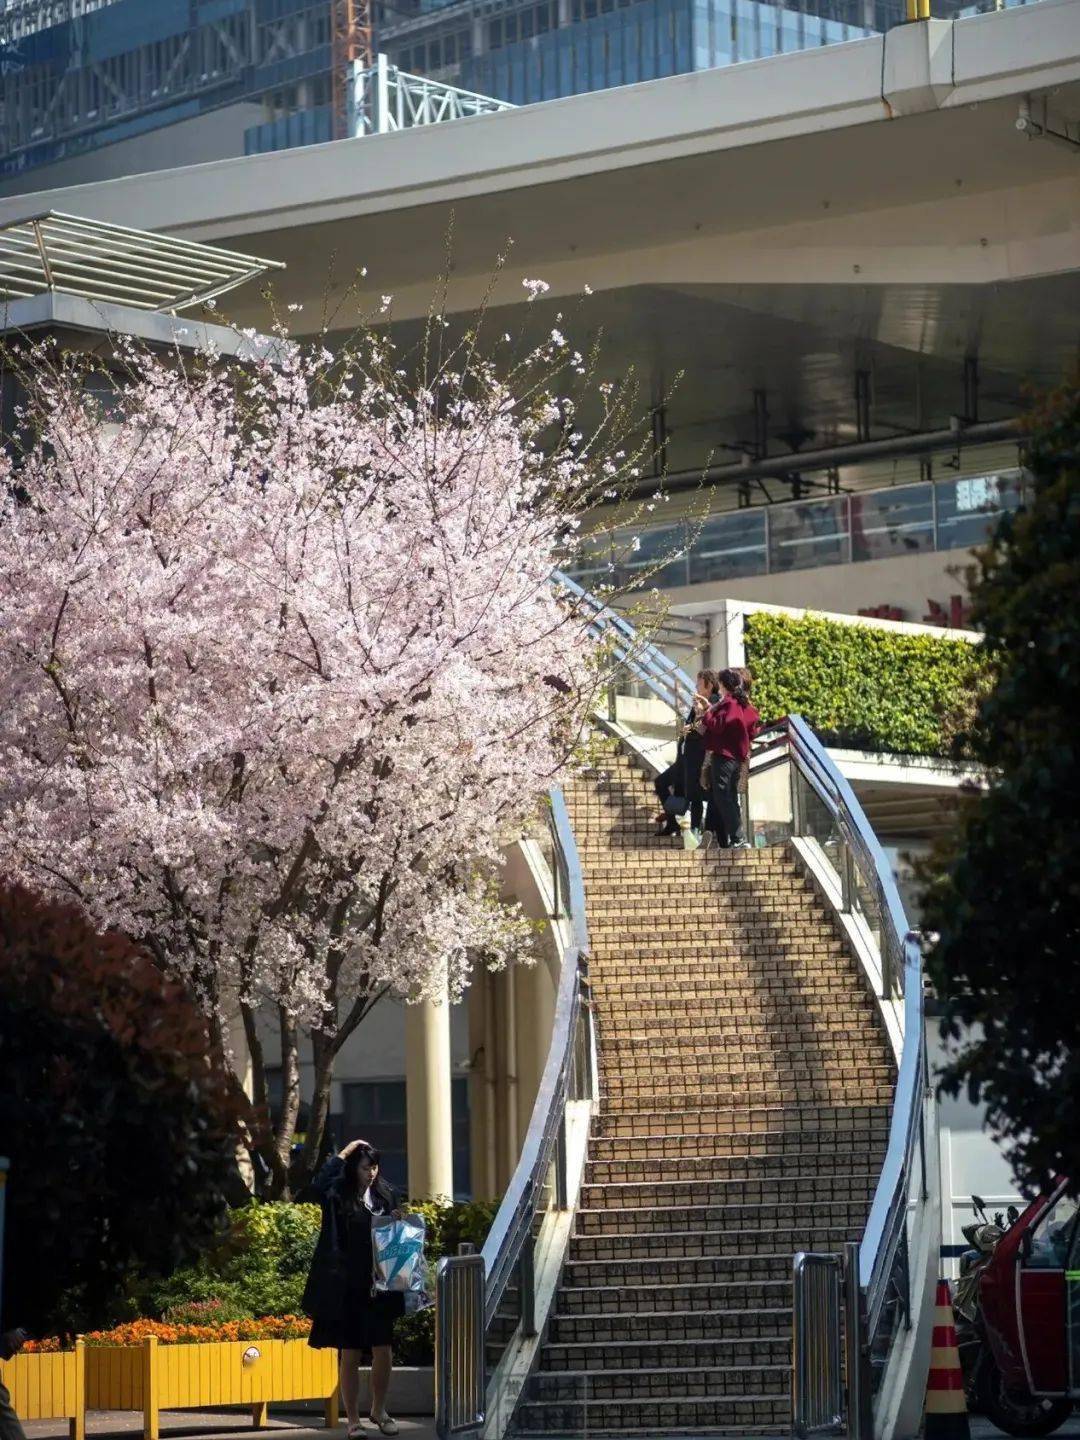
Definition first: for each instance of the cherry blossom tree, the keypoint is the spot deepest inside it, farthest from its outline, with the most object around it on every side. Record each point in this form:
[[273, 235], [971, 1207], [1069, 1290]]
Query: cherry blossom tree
[[282, 666]]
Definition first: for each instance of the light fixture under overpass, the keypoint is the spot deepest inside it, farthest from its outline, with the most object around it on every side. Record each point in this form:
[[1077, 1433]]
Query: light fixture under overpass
[[113, 264]]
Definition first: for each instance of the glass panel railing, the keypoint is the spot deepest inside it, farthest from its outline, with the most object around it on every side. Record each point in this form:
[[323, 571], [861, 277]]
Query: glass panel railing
[[968, 510], [892, 522], [804, 534], [808, 534], [727, 546]]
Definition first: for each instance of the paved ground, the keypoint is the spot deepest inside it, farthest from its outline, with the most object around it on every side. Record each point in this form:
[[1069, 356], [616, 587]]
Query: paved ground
[[982, 1430], [228, 1425], [218, 1424]]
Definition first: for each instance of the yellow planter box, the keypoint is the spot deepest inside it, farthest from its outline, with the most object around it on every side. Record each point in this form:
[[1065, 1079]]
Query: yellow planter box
[[152, 1377], [49, 1387]]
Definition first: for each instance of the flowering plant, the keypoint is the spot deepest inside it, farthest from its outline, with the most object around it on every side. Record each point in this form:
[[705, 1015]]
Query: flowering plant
[[282, 665], [134, 1332]]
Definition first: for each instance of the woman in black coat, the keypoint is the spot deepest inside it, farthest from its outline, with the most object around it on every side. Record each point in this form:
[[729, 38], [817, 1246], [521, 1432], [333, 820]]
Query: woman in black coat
[[345, 1315], [684, 777]]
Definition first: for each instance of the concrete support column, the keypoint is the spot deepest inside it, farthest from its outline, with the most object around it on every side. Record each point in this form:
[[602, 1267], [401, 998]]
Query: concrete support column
[[536, 1015], [427, 1099]]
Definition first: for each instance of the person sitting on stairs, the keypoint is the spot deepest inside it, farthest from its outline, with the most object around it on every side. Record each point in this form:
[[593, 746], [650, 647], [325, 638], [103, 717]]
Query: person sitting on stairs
[[683, 778]]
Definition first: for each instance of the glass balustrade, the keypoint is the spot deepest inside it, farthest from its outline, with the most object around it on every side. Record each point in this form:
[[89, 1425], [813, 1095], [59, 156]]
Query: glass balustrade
[[804, 534]]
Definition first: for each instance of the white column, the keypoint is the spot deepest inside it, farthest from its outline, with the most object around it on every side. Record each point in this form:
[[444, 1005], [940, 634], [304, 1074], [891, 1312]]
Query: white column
[[427, 1099]]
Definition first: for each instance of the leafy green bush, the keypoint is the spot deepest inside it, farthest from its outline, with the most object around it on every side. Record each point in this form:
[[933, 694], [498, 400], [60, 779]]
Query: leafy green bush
[[860, 686], [260, 1268]]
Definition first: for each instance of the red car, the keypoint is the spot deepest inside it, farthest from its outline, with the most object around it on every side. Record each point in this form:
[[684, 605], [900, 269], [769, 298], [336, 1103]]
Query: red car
[[1029, 1298]]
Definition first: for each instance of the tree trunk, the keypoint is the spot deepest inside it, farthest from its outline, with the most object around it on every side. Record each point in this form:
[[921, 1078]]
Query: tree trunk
[[323, 1055], [290, 1105]]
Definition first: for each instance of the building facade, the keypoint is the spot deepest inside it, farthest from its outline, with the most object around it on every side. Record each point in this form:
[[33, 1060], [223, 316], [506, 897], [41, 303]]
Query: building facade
[[95, 89]]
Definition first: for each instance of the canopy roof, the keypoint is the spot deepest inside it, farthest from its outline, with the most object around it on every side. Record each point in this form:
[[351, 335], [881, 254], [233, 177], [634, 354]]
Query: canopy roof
[[112, 263]]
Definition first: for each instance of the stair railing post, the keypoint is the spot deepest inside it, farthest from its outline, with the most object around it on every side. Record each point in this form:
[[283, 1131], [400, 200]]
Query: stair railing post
[[847, 878], [797, 819], [562, 1188], [856, 1358], [527, 1287]]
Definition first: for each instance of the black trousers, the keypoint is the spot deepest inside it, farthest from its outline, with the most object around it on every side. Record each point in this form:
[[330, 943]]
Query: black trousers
[[726, 814], [676, 780]]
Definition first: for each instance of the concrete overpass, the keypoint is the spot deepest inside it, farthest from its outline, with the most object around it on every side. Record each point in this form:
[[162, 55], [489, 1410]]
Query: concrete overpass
[[781, 226]]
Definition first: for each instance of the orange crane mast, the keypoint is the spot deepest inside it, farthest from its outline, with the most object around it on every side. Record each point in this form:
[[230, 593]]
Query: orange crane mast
[[351, 39]]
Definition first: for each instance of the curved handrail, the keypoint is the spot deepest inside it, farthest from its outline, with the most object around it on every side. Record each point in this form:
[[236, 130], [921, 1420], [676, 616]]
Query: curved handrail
[[885, 1224], [646, 662], [513, 1219]]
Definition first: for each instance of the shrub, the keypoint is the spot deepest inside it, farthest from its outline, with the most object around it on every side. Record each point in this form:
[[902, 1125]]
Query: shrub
[[860, 686], [261, 1266], [118, 1124]]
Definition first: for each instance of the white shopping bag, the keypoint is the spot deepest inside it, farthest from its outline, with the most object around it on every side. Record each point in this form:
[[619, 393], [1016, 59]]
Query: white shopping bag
[[398, 1264]]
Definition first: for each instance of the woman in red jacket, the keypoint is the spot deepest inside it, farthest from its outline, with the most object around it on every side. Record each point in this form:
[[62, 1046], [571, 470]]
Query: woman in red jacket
[[728, 727]]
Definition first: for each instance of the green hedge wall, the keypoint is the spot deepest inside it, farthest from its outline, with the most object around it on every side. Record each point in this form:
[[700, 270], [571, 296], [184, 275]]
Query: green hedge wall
[[862, 687]]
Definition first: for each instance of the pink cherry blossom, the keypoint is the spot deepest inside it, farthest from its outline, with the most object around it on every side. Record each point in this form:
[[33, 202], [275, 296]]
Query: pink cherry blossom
[[281, 670]]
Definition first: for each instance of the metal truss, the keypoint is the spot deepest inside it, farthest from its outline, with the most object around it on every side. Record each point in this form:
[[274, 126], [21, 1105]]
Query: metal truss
[[384, 98]]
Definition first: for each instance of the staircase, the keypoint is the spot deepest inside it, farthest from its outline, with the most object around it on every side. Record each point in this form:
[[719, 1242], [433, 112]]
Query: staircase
[[745, 1086]]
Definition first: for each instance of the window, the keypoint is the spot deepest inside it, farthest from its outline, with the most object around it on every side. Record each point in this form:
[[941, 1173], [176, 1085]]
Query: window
[[374, 1110], [1050, 1239]]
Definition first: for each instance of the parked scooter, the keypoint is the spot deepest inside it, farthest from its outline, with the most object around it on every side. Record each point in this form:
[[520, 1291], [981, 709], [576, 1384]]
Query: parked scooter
[[995, 1384]]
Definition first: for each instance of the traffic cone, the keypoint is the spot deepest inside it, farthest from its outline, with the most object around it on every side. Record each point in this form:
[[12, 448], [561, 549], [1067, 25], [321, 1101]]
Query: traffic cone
[[946, 1407]]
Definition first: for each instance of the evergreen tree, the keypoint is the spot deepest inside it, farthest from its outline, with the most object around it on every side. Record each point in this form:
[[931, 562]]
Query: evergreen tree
[[1007, 907]]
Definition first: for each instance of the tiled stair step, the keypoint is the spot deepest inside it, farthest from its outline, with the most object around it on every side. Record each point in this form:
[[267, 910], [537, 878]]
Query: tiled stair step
[[630, 994], [630, 959], [661, 1383], [787, 1030], [639, 1301], [708, 1267], [736, 1123], [729, 1083], [671, 1432], [726, 1017], [594, 1332], [659, 1246], [750, 1050], [754, 914], [793, 1188], [848, 1210], [635, 898], [661, 1353], [798, 965], [789, 1158], [724, 1067], [734, 1415], [752, 1088]]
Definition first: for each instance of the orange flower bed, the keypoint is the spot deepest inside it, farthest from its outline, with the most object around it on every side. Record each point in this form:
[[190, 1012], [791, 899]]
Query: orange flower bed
[[269, 1327]]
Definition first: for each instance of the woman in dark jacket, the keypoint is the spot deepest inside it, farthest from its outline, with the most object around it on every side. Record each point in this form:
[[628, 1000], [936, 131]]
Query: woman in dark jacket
[[345, 1315], [684, 776]]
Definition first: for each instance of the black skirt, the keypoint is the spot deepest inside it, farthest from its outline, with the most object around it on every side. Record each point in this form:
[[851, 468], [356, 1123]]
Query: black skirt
[[366, 1321]]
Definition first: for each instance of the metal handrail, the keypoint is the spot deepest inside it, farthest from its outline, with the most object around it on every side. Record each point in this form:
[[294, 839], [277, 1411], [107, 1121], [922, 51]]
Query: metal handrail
[[567, 1075], [879, 1251], [646, 662]]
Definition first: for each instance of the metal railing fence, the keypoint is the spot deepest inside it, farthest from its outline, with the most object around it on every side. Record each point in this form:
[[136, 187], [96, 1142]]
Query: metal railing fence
[[470, 1289], [817, 1373]]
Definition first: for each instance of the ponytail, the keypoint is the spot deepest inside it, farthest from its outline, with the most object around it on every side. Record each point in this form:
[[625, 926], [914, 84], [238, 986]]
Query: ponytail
[[733, 683]]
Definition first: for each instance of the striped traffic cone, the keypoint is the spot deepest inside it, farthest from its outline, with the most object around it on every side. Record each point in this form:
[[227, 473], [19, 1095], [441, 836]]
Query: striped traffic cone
[[946, 1407]]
